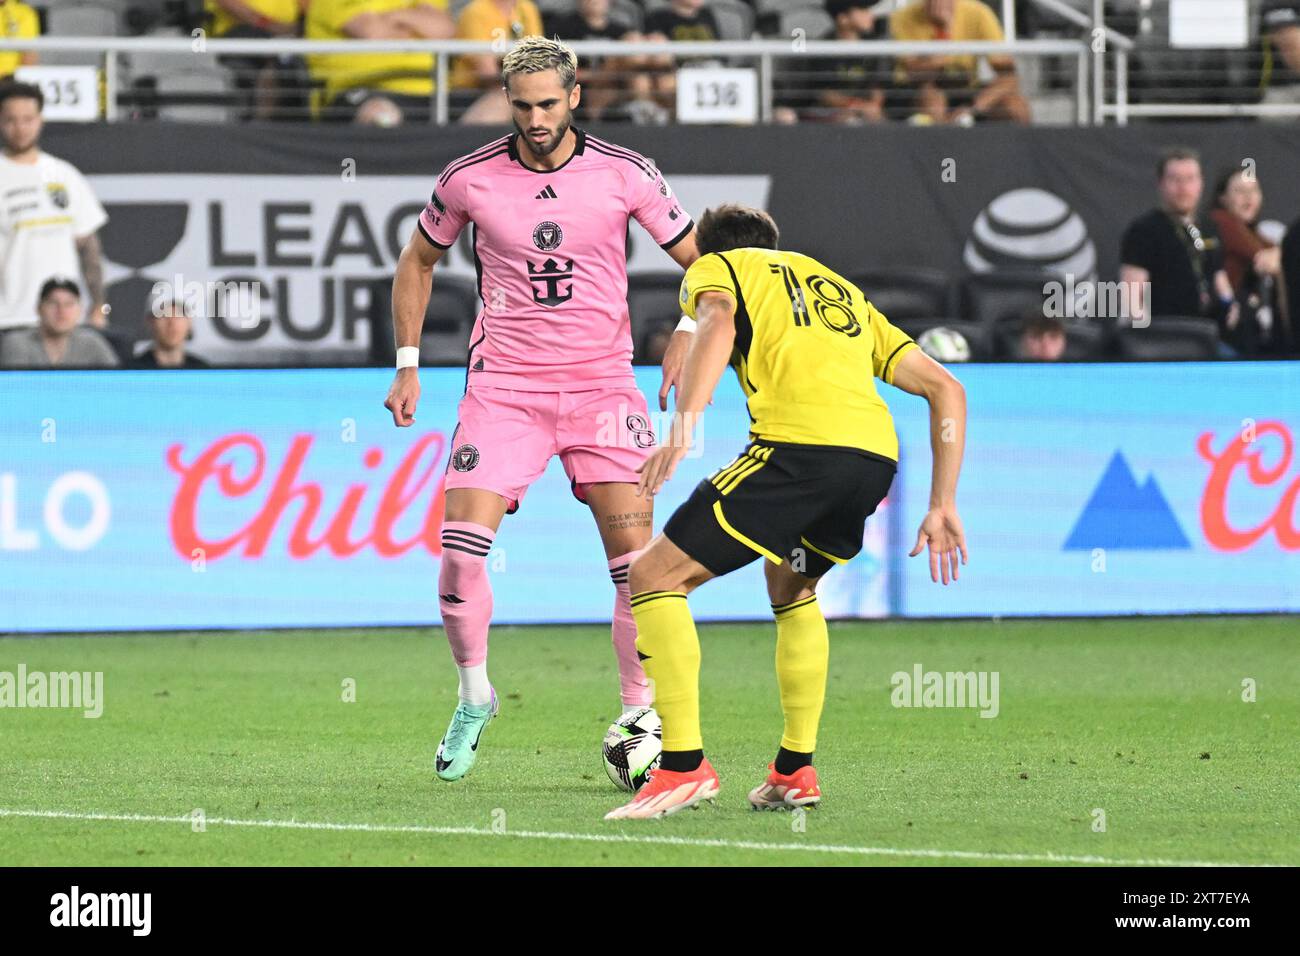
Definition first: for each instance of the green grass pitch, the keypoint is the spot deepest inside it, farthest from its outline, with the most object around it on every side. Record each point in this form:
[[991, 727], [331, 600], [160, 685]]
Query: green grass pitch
[[1141, 719]]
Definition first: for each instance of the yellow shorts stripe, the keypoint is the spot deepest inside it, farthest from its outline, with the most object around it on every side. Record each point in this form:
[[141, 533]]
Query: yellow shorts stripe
[[722, 521], [825, 554], [738, 476], [721, 474]]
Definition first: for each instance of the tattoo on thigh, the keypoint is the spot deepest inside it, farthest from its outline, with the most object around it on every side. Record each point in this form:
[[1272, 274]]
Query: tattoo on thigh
[[630, 519]]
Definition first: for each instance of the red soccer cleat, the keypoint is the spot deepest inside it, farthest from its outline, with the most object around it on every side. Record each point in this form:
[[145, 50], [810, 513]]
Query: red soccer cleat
[[668, 791], [786, 791]]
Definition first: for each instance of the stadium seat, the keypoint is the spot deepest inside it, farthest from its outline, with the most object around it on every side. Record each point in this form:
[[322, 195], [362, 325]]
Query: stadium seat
[[203, 94], [628, 12], [978, 337], [906, 293], [814, 21], [735, 19], [551, 8], [80, 19], [1170, 340], [84, 18], [991, 296]]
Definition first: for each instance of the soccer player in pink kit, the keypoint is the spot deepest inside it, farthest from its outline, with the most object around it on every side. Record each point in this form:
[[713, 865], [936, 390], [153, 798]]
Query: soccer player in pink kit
[[550, 355]]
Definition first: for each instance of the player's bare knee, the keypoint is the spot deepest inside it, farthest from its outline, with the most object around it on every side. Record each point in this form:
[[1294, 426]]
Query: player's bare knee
[[785, 585]]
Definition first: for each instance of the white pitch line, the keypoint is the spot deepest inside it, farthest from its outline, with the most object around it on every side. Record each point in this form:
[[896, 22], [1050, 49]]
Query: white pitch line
[[617, 838]]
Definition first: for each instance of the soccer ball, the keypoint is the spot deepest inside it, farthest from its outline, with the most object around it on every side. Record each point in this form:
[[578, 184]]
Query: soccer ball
[[944, 345], [633, 745]]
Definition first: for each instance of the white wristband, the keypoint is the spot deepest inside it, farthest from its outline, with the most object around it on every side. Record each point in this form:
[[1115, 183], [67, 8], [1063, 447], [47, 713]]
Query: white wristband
[[408, 356], [687, 324]]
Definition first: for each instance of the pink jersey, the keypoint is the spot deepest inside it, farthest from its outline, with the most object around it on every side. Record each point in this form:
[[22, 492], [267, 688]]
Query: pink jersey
[[551, 253]]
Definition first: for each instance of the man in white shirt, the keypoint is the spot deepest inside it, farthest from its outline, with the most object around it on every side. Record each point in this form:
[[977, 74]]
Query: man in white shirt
[[48, 216]]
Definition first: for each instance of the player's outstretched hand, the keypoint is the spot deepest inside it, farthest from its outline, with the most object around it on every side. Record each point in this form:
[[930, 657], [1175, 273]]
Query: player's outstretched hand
[[657, 469], [403, 396], [674, 362], [941, 528]]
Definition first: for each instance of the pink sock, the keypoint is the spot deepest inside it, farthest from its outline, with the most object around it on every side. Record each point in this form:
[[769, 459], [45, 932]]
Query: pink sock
[[631, 676], [464, 592]]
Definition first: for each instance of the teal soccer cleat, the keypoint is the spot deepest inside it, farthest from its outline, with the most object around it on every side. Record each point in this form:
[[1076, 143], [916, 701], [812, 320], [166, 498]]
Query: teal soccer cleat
[[459, 747]]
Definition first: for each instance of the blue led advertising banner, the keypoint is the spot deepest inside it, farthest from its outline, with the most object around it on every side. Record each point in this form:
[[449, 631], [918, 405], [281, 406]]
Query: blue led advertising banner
[[237, 498]]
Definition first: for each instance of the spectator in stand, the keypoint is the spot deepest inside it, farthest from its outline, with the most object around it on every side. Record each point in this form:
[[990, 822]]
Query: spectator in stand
[[351, 80], [607, 81], [947, 89], [1289, 313], [1253, 263], [59, 340], [17, 22], [256, 76], [476, 78], [170, 325], [49, 216], [1042, 339], [1181, 257], [1280, 42], [682, 21], [849, 89]]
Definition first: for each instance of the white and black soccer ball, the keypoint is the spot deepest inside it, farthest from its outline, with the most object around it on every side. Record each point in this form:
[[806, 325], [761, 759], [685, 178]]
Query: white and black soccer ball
[[633, 746], [944, 345]]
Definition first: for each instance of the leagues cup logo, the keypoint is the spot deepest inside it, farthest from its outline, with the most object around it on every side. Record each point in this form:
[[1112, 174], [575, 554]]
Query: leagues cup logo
[[1031, 230], [547, 236]]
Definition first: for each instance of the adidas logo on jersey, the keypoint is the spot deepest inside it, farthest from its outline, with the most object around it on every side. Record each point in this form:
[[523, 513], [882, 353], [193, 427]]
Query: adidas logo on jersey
[[547, 193]]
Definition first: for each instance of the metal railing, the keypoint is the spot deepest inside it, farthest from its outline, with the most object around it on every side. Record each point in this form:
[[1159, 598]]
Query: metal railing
[[1122, 108], [765, 53]]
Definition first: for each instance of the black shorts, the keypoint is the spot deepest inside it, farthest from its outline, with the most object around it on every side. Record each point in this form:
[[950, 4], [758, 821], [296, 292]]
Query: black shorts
[[804, 503]]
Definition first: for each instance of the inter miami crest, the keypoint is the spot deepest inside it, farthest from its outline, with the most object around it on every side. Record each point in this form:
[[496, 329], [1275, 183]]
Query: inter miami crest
[[548, 236], [58, 194], [464, 458]]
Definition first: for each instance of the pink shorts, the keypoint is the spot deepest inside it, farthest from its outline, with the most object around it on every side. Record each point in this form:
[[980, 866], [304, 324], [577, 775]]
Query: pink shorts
[[505, 438]]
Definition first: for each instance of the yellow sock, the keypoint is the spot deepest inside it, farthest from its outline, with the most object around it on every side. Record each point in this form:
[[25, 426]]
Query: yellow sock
[[802, 656], [670, 652]]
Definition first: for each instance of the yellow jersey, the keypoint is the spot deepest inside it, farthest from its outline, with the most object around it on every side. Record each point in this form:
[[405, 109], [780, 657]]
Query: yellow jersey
[[281, 11], [17, 22], [971, 20], [808, 344], [403, 73], [483, 20]]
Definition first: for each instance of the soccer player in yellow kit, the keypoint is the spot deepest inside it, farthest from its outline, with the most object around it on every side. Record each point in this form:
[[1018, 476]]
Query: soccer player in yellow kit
[[805, 343]]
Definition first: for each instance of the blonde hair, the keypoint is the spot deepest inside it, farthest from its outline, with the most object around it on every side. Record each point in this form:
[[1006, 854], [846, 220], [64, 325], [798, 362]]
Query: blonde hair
[[535, 54]]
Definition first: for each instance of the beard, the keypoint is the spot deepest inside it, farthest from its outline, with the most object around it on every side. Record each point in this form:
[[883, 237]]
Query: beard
[[20, 145], [547, 147]]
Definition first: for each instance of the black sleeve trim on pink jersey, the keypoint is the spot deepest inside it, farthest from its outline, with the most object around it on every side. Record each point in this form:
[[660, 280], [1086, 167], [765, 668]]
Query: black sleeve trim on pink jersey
[[494, 148], [432, 241], [690, 224], [467, 162]]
